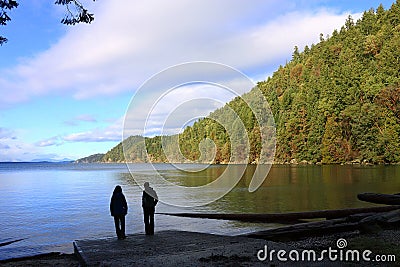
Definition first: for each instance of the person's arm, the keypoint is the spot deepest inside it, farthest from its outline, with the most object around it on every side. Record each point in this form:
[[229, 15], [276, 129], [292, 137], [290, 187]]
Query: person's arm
[[112, 206], [155, 198], [125, 205]]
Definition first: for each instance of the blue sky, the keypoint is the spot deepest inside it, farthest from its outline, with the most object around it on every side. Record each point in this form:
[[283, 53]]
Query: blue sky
[[65, 89]]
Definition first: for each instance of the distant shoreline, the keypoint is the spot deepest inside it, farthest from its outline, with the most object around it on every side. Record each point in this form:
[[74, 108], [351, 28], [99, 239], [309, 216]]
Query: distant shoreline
[[302, 163]]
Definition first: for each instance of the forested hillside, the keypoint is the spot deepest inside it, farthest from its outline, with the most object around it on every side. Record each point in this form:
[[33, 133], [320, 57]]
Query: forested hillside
[[336, 101], [91, 159], [339, 100], [132, 145]]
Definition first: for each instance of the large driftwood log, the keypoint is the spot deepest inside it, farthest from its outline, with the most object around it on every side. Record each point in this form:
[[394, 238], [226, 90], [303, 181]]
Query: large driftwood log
[[305, 230], [365, 222], [284, 217], [380, 198]]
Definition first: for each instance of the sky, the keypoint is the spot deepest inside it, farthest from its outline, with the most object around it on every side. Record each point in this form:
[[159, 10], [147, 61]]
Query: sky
[[65, 89]]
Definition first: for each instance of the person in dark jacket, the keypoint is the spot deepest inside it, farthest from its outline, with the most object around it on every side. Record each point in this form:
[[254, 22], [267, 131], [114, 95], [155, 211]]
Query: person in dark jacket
[[149, 202], [119, 209]]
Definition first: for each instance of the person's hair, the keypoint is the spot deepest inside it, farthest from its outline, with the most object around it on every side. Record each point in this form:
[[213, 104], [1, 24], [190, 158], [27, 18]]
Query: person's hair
[[117, 189], [146, 184]]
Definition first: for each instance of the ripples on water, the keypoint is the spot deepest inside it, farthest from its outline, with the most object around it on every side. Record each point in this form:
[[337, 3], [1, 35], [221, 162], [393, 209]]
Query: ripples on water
[[51, 204]]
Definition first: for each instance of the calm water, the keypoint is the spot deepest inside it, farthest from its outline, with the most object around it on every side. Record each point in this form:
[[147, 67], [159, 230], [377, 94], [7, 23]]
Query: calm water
[[50, 205]]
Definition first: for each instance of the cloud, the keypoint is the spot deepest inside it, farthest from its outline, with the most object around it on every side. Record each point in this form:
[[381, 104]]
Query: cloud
[[93, 136], [4, 146], [52, 141], [7, 133], [111, 133], [132, 40], [169, 110], [86, 118], [80, 118], [276, 39], [181, 106], [15, 150]]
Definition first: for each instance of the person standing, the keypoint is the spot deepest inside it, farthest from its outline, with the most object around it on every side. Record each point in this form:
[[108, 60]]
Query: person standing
[[119, 209], [149, 202]]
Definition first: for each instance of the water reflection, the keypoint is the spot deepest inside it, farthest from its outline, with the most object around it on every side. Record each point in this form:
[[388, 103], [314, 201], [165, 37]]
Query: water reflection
[[302, 188], [287, 188]]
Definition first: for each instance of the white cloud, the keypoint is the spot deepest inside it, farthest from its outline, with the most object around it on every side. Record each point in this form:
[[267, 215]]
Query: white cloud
[[169, 108], [55, 148], [13, 147], [16, 150], [4, 146], [86, 118], [182, 105], [266, 43], [132, 40], [80, 118], [93, 136], [6, 133], [111, 133], [52, 141]]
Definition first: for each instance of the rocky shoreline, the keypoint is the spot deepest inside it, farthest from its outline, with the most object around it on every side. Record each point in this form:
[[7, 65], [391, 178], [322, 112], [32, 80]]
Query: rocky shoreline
[[48, 259], [384, 242]]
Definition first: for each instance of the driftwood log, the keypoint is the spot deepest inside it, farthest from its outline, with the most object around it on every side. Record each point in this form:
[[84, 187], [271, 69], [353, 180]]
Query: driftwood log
[[10, 242], [364, 222], [306, 230], [380, 198], [285, 217]]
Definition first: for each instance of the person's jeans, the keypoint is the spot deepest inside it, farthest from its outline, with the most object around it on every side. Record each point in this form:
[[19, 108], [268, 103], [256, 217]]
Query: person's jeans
[[149, 221], [119, 221]]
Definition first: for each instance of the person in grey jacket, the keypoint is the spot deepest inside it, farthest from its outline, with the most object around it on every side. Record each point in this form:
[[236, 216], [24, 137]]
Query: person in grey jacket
[[119, 209], [149, 202]]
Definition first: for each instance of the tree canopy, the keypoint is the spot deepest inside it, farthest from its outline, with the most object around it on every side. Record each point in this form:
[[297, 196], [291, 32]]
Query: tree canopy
[[75, 13]]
